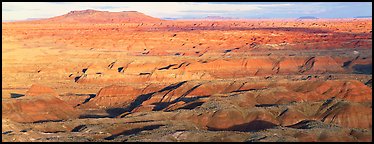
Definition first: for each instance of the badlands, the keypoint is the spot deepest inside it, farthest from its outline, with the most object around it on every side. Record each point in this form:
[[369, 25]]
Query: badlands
[[124, 76]]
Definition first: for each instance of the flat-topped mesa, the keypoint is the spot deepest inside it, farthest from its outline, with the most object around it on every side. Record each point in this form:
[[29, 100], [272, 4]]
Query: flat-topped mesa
[[95, 16], [87, 11]]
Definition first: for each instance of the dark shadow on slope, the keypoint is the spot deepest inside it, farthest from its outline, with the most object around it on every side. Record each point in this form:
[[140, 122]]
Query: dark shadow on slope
[[110, 66], [181, 65], [120, 69], [16, 95], [253, 126], [84, 70], [134, 131], [79, 128], [192, 105], [226, 51], [138, 101], [307, 65], [167, 67], [346, 64], [191, 99], [311, 124], [144, 73], [229, 50], [369, 82], [143, 121], [162, 105], [266, 105], [114, 112], [43, 121], [77, 78], [7, 132], [362, 69], [88, 99], [93, 116], [245, 90], [53, 132], [173, 86], [186, 93]]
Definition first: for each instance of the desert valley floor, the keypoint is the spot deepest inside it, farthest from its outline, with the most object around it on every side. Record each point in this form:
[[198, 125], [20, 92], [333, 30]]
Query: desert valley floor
[[125, 76]]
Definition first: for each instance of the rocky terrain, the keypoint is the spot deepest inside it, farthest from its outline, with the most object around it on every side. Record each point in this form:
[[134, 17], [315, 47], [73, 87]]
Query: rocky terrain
[[125, 76]]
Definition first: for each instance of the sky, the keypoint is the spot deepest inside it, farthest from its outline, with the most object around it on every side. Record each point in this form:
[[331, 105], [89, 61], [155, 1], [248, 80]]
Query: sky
[[12, 11]]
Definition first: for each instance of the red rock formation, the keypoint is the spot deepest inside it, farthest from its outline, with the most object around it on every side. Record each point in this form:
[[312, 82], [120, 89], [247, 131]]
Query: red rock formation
[[225, 119], [38, 90], [291, 116], [348, 115], [197, 76], [94, 16], [40, 105], [113, 96]]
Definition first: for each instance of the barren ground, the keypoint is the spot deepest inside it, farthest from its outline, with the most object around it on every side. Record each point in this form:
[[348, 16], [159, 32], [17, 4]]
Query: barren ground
[[154, 80]]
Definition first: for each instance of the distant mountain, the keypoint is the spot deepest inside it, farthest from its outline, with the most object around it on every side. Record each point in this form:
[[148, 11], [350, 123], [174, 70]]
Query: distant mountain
[[29, 19], [217, 17], [362, 17], [307, 17], [169, 18], [8, 20], [94, 16]]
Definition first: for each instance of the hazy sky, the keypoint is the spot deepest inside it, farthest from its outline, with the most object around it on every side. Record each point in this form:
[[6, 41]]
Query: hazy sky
[[25, 10]]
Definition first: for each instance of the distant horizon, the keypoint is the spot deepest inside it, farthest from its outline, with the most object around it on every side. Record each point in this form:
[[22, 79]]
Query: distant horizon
[[202, 18], [21, 11]]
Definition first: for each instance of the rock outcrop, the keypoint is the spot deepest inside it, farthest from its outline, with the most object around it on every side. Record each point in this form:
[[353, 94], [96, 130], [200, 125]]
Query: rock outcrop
[[38, 105]]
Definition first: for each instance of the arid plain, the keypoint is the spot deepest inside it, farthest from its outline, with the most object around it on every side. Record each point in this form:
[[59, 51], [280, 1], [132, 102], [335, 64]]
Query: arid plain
[[125, 76]]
